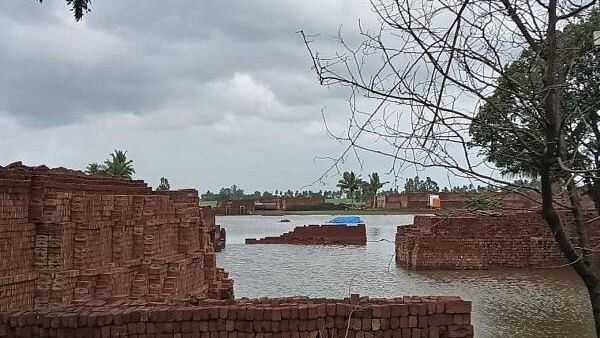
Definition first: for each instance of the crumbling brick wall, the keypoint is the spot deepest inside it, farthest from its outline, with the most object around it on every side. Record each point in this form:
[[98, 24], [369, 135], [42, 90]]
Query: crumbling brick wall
[[67, 237], [517, 240], [408, 317], [319, 234]]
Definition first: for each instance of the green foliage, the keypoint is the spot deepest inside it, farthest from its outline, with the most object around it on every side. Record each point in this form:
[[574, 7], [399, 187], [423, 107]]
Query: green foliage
[[94, 168], [350, 183], [78, 7], [234, 192], [533, 183], [482, 201], [267, 194], [117, 164], [416, 185], [509, 127], [370, 188], [164, 185]]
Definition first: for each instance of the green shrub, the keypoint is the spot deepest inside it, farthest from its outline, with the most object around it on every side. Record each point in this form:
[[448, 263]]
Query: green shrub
[[483, 201]]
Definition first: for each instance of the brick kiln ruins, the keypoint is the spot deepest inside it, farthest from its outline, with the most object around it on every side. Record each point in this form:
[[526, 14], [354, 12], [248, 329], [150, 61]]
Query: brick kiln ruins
[[67, 237], [97, 256], [516, 240]]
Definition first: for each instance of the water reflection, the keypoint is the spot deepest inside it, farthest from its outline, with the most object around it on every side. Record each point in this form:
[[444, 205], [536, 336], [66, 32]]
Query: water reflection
[[506, 303]]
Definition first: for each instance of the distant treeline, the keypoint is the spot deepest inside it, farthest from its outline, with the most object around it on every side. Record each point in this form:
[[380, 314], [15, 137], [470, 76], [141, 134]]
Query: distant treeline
[[411, 185], [234, 193]]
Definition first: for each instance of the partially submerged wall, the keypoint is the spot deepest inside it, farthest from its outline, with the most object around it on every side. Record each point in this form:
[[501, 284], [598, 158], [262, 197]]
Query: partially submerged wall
[[518, 240], [517, 201], [301, 203], [235, 207], [66, 237], [319, 234], [408, 317]]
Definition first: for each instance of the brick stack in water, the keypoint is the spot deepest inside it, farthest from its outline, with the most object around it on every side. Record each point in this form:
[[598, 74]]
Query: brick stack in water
[[338, 234], [68, 237], [515, 240], [296, 317]]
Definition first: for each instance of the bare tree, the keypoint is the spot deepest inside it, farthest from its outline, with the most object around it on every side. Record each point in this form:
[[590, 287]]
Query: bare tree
[[418, 82]]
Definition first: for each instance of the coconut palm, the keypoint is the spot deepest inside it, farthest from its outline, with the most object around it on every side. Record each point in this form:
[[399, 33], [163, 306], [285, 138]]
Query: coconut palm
[[118, 165], [94, 168], [370, 188], [349, 183]]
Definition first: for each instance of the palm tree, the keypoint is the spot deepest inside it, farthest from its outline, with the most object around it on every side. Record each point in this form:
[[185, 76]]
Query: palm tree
[[94, 168], [118, 165], [373, 186], [349, 183], [164, 185]]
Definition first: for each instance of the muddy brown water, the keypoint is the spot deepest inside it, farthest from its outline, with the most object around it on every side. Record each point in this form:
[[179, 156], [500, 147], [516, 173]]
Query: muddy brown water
[[548, 303]]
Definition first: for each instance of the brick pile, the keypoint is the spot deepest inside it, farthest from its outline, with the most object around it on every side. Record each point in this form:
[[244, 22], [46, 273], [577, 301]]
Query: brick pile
[[518, 240], [341, 234], [17, 280], [297, 317], [67, 237]]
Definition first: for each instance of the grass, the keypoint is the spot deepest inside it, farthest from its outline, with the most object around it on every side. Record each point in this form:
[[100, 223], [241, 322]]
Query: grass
[[208, 203], [337, 201]]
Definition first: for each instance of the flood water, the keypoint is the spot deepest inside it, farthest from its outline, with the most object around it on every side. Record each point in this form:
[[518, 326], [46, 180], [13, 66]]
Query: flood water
[[548, 303]]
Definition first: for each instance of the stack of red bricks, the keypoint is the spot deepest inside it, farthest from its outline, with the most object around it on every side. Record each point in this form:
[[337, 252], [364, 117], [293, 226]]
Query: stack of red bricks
[[17, 277], [341, 234], [518, 240], [355, 317], [99, 237]]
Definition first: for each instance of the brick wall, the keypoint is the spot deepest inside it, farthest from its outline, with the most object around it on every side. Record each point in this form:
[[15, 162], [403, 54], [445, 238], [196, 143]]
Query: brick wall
[[235, 207], [301, 203], [67, 237], [319, 234], [523, 201], [518, 240], [408, 317]]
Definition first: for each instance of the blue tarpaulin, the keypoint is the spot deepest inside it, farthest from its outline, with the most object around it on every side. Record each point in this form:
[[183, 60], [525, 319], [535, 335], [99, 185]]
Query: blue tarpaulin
[[349, 219]]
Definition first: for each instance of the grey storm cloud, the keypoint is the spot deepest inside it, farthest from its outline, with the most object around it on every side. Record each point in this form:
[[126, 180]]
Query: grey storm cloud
[[142, 59], [206, 93]]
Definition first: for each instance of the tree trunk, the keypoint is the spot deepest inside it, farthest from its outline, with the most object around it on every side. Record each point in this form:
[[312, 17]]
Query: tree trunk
[[581, 265], [594, 292], [553, 120]]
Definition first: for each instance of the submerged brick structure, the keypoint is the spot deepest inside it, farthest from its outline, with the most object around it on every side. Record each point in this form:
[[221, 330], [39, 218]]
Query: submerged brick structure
[[66, 237], [408, 317], [417, 201], [319, 234], [510, 201], [235, 207], [518, 240]]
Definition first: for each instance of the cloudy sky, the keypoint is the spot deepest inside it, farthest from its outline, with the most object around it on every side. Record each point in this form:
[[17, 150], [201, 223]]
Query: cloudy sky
[[206, 93]]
